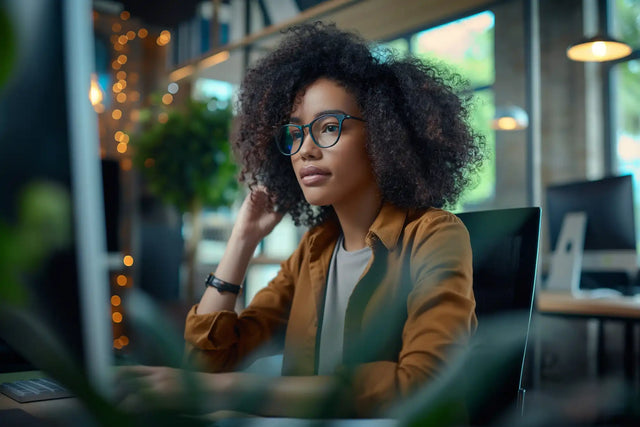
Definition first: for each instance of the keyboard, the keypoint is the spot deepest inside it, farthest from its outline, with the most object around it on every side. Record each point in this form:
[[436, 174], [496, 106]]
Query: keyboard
[[32, 390]]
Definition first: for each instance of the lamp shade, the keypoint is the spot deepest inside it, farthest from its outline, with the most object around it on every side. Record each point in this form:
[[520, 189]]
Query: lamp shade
[[510, 118], [598, 49]]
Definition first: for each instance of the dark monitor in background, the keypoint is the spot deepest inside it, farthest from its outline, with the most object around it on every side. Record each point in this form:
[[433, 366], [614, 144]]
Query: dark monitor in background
[[49, 138], [610, 255]]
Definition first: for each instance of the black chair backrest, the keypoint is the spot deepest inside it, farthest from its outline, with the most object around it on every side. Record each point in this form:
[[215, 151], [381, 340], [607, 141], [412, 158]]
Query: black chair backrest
[[505, 255]]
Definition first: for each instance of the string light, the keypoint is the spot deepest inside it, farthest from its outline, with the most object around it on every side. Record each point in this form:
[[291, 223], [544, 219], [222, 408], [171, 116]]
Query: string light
[[121, 97], [121, 280], [164, 38], [142, 33], [122, 59], [125, 15], [128, 259], [167, 98], [118, 135], [126, 164], [115, 300], [131, 35], [121, 75], [122, 148], [123, 40], [116, 317], [116, 114]]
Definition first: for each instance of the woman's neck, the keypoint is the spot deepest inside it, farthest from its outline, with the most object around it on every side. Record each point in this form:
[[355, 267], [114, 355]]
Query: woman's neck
[[356, 216]]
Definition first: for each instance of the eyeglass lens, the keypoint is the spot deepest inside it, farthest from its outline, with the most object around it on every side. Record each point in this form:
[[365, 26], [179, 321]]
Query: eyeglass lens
[[325, 131]]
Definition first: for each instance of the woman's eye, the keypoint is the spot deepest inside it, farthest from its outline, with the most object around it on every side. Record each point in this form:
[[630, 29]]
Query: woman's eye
[[330, 128]]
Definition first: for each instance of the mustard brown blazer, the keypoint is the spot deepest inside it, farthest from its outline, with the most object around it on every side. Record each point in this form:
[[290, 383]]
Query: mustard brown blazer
[[412, 306]]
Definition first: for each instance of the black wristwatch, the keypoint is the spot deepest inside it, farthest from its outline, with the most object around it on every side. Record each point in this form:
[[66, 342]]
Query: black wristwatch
[[221, 285]]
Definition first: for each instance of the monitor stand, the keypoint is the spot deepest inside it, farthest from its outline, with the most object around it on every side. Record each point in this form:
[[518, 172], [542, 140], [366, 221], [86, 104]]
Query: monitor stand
[[566, 261]]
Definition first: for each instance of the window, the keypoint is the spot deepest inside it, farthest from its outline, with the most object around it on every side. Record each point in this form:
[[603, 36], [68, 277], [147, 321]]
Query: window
[[626, 98]]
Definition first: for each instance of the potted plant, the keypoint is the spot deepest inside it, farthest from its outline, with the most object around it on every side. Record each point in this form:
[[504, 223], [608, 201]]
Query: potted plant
[[185, 158]]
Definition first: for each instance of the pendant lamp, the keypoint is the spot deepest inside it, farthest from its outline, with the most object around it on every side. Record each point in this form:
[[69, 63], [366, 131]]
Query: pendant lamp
[[599, 48]]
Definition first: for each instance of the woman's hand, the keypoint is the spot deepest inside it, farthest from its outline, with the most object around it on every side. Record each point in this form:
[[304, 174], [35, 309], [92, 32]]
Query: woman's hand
[[142, 388], [255, 221]]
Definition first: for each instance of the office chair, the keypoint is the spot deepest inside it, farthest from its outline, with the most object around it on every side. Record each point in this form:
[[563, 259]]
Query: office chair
[[505, 255]]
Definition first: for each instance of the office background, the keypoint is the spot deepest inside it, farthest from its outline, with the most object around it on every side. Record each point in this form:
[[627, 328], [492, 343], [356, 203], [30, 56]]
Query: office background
[[572, 121]]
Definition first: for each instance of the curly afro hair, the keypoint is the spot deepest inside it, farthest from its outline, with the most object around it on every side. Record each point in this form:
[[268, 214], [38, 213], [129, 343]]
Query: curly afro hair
[[422, 150]]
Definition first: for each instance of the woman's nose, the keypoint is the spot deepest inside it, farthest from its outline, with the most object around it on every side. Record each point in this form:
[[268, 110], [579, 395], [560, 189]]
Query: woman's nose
[[309, 149]]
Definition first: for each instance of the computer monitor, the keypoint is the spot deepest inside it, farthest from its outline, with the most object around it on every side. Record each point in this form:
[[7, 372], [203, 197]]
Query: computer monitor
[[610, 233], [48, 134]]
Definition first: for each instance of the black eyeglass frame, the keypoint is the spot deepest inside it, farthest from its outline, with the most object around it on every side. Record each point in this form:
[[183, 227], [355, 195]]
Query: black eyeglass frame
[[341, 118]]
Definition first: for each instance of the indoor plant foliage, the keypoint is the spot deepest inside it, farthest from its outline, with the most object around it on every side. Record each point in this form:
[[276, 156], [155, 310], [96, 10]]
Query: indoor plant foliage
[[186, 161]]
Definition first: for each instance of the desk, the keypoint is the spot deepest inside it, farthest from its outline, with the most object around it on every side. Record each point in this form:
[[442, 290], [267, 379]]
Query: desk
[[620, 308]]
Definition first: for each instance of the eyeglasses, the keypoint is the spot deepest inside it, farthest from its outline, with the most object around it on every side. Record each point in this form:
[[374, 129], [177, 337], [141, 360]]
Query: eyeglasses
[[325, 132]]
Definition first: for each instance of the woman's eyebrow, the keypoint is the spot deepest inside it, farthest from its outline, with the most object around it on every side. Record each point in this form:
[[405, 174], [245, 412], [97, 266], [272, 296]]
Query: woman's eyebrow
[[294, 119]]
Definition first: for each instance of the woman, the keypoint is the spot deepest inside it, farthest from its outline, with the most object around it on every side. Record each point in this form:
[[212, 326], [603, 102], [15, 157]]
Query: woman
[[365, 151]]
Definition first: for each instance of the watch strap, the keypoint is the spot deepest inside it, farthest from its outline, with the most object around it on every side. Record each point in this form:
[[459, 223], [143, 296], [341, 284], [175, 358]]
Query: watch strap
[[221, 285]]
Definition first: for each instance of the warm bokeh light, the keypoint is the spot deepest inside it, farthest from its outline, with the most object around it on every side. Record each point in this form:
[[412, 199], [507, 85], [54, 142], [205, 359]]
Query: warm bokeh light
[[121, 75], [121, 97], [163, 117], [116, 65], [123, 40], [118, 47], [148, 163], [116, 317], [122, 83], [124, 339], [118, 135], [122, 59], [134, 96], [95, 94], [164, 38], [507, 123], [115, 300], [117, 344], [167, 98], [122, 148], [116, 114], [125, 15], [125, 139], [99, 108], [126, 164], [128, 259], [131, 35], [116, 27], [116, 88], [142, 33], [121, 280]]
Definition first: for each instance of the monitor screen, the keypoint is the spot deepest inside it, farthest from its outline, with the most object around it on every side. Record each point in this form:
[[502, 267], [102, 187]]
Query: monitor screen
[[50, 181], [609, 257], [608, 204]]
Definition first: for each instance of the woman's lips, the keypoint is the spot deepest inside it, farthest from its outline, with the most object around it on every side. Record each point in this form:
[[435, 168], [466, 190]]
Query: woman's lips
[[313, 175]]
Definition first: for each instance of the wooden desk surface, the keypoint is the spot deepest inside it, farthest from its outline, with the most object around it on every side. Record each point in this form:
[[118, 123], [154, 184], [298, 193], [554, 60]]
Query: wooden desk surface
[[622, 307]]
